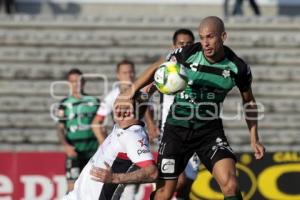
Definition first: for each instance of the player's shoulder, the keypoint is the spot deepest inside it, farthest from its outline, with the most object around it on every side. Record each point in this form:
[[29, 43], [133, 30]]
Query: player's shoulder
[[134, 137], [126, 136], [243, 77], [182, 54], [134, 131], [238, 61], [65, 100], [113, 94], [90, 98], [192, 49]]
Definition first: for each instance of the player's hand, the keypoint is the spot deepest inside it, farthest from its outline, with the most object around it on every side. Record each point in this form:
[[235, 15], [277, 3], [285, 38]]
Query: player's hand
[[70, 150], [259, 150], [150, 88], [102, 175]]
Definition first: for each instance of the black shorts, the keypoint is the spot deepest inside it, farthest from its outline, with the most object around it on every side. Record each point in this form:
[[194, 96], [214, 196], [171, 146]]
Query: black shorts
[[74, 166], [178, 144]]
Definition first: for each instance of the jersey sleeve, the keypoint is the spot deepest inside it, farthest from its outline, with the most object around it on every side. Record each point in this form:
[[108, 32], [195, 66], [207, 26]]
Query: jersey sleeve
[[106, 106], [181, 55], [243, 78], [103, 110], [138, 148]]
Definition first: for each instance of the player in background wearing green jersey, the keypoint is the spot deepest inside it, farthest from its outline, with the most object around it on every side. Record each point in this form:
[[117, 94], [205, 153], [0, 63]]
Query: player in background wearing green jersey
[[191, 126], [76, 113]]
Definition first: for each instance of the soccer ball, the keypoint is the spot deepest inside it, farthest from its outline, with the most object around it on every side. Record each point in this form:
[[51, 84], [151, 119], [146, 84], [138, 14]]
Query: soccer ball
[[170, 78]]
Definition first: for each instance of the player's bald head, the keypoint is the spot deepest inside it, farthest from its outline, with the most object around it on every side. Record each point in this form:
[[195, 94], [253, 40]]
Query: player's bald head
[[212, 22]]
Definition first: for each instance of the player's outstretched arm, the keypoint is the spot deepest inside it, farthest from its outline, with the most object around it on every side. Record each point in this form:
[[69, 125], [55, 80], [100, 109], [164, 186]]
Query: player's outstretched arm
[[147, 76], [144, 79], [146, 174], [124, 102], [251, 119], [153, 130]]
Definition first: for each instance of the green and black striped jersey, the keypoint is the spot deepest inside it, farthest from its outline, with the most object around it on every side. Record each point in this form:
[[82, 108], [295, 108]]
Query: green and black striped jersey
[[208, 85], [77, 118]]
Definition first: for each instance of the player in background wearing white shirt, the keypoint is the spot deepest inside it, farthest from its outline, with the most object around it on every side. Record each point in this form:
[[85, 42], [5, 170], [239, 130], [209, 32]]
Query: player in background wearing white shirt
[[181, 37], [125, 73], [124, 157]]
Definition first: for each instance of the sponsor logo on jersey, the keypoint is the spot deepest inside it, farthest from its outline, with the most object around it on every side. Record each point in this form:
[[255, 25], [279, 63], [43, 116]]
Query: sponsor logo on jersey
[[142, 142], [226, 73], [220, 144], [168, 166], [142, 151], [194, 66]]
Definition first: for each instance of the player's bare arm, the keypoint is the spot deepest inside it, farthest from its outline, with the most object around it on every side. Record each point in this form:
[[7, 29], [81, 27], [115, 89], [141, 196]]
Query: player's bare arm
[[147, 76], [153, 131], [143, 175], [69, 149], [251, 119], [98, 129]]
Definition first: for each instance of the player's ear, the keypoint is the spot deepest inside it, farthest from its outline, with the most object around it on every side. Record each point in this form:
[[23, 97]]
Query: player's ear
[[224, 36]]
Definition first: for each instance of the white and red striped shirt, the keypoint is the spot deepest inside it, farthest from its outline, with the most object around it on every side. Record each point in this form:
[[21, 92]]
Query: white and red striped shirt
[[124, 150]]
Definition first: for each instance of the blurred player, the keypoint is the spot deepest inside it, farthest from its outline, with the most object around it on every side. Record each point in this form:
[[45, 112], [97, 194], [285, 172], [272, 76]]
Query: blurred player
[[181, 38], [76, 113], [193, 124], [124, 157]]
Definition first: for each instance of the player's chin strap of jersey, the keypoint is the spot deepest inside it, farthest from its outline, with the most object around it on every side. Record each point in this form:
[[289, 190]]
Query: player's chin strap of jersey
[[212, 70]]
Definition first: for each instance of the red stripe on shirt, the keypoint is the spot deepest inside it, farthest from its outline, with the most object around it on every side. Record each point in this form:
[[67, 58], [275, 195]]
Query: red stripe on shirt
[[145, 163], [122, 156], [100, 118]]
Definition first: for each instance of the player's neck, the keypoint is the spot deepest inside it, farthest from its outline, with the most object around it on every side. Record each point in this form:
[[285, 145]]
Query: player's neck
[[218, 57], [77, 95], [127, 123]]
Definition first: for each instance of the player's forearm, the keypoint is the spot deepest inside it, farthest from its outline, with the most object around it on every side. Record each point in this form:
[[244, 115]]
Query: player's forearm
[[148, 117], [61, 134], [147, 76], [99, 131], [100, 134], [251, 119], [144, 175]]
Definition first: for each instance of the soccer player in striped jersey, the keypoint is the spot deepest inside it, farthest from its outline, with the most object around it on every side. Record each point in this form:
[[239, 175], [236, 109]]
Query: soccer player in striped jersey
[[193, 124]]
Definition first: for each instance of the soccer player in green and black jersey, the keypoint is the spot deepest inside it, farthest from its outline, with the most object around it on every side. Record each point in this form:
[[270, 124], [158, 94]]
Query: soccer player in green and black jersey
[[76, 113], [193, 124]]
